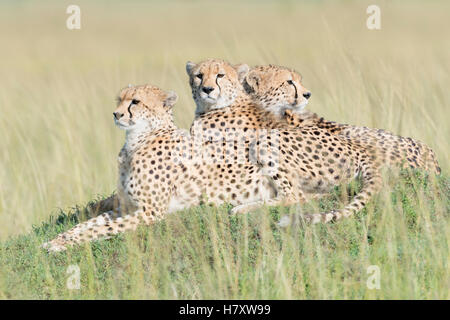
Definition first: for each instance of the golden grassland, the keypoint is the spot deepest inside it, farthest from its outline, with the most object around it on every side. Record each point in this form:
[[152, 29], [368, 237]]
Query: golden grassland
[[59, 145]]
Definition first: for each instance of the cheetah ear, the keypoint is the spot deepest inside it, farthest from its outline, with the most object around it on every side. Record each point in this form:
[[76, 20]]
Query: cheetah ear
[[189, 66], [171, 99], [242, 70], [251, 81]]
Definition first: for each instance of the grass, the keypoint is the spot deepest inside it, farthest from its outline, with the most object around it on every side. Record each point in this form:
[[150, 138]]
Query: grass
[[205, 253], [59, 148]]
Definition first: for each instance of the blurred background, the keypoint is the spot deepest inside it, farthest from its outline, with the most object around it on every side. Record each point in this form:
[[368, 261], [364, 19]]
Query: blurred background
[[58, 86]]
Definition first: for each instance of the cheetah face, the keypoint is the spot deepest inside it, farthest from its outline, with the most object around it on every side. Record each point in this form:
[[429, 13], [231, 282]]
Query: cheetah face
[[215, 83], [276, 88], [143, 107]]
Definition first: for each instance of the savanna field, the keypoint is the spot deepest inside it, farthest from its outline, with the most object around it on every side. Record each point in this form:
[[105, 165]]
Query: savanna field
[[59, 149]]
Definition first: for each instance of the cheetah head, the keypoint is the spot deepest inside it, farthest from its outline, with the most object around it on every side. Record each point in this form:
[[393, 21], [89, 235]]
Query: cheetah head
[[215, 83], [145, 107], [276, 88]]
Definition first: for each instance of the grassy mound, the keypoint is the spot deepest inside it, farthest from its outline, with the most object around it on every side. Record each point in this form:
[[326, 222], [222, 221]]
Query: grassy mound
[[204, 253]]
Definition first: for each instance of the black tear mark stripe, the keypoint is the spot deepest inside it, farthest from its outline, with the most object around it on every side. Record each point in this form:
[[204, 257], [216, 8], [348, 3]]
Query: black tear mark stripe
[[220, 89], [295, 87], [129, 109], [296, 94]]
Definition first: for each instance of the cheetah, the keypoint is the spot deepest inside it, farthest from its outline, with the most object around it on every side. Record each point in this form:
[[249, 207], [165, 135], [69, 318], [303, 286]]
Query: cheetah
[[278, 89], [159, 172], [311, 159]]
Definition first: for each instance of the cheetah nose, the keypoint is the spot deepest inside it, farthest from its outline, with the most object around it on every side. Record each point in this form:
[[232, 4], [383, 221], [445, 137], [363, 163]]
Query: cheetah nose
[[117, 115], [307, 95], [207, 90]]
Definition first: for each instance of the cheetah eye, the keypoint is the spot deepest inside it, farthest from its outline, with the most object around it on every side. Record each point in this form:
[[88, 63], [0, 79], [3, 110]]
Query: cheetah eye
[[290, 82], [134, 101], [200, 76], [220, 75]]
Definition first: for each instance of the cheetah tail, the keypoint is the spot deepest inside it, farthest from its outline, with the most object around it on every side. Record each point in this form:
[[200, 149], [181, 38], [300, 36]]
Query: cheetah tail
[[432, 164]]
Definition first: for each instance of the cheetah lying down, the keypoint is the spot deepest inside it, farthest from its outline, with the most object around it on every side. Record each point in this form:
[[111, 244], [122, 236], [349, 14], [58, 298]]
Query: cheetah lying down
[[155, 175]]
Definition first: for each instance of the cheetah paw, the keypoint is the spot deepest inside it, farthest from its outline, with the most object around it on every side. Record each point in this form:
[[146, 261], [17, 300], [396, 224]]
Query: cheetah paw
[[237, 210], [284, 222], [295, 220], [242, 208], [53, 246]]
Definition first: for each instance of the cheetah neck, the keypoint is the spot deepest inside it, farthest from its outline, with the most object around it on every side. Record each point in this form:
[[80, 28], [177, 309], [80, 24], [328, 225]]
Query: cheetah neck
[[137, 135]]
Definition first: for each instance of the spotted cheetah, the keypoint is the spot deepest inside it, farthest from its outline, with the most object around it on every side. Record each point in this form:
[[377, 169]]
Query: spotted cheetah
[[278, 89], [311, 159], [159, 171]]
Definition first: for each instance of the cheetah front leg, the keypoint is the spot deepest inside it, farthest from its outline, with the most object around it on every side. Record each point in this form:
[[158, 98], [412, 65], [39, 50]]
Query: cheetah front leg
[[101, 227]]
